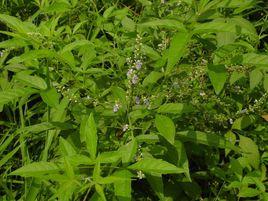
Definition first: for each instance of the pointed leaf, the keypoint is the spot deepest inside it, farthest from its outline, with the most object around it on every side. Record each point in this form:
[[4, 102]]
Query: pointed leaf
[[166, 127], [218, 76]]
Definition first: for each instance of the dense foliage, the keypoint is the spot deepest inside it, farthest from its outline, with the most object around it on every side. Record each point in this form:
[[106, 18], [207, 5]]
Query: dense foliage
[[133, 100]]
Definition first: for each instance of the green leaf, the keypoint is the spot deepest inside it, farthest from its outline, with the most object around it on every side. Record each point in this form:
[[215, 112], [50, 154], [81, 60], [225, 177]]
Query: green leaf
[[100, 191], [36, 169], [231, 137], [129, 150], [33, 55], [33, 81], [208, 139], [7, 96], [255, 77], [175, 108], [265, 83], [152, 78], [166, 127], [122, 188], [177, 48], [218, 76], [259, 60], [88, 134], [248, 192], [166, 23], [66, 148], [110, 156], [236, 76], [152, 165], [50, 97], [16, 24], [156, 182], [75, 45], [244, 122], [128, 24], [8, 156], [250, 151]]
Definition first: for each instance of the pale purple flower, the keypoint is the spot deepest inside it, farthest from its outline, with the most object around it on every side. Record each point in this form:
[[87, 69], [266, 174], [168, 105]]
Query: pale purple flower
[[138, 64], [130, 72], [137, 100], [135, 79]]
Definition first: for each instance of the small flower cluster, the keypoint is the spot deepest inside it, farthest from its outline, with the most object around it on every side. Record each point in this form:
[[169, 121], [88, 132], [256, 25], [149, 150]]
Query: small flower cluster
[[116, 107], [144, 100], [136, 63]]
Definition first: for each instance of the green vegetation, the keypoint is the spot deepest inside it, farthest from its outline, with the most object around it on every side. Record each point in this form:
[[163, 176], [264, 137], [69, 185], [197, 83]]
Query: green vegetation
[[133, 100]]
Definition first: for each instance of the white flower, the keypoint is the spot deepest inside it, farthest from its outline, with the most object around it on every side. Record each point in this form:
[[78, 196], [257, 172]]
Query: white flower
[[1, 54], [140, 174], [202, 93], [116, 107], [231, 121], [135, 79], [243, 111], [146, 102], [138, 64], [125, 128]]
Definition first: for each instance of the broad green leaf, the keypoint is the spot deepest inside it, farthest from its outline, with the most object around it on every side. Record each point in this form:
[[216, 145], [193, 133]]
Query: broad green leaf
[[138, 114], [122, 189], [13, 43], [7, 96], [128, 24], [243, 122], [208, 139], [152, 165], [218, 76], [110, 156], [166, 23], [88, 134], [32, 81], [33, 55], [235, 76], [75, 45], [175, 108], [16, 24], [255, 77], [250, 151], [177, 48], [259, 60], [156, 182], [50, 97], [100, 191], [182, 158], [231, 137], [166, 127], [152, 78], [129, 150], [225, 38], [248, 192], [150, 52], [36, 169], [66, 148]]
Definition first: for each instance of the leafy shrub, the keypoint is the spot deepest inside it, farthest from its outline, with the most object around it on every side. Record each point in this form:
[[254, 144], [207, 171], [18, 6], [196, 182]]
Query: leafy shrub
[[133, 100]]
